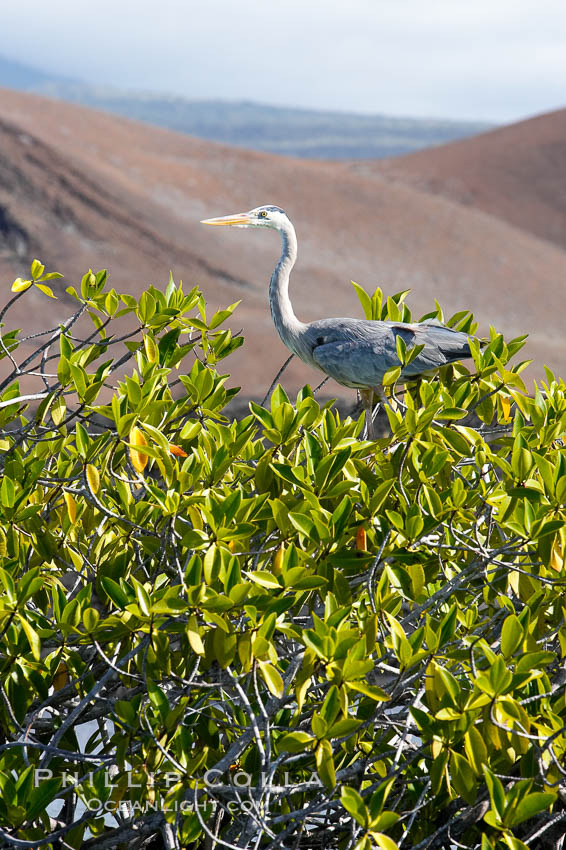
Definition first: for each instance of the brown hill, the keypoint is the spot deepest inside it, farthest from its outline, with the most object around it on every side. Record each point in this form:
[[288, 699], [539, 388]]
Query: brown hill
[[516, 173], [81, 189]]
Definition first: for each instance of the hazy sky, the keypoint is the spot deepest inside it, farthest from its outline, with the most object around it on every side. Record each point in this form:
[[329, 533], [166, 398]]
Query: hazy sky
[[488, 59]]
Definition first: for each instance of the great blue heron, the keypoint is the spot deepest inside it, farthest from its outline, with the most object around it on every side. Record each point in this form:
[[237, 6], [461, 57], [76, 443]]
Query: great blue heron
[[355, 352]]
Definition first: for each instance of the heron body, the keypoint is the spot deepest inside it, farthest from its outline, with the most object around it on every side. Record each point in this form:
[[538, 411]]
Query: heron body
[[354, 352]]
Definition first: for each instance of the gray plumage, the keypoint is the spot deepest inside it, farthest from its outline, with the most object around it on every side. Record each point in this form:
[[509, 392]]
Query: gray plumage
[[355, 352]]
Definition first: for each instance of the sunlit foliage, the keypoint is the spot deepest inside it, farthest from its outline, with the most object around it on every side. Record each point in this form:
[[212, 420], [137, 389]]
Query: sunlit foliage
[[271, 632]]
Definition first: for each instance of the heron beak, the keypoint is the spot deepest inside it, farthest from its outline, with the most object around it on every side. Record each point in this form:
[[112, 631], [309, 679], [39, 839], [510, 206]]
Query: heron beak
[[239, 219]]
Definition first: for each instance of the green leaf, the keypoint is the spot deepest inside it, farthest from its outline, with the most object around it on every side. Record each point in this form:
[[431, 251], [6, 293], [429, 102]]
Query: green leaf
[[315, 642], [514, 843], [530, 806], [496, 792], [7, 492], [58, 410], [391, 376], [341, 515], [171, 289], [476, 750], [534, 661], [143, 597], [451, 413], [303, 524], [344, 727], [365, 300], [225, 645], [499, 676], [354, 805], [158, 699], [190, 430], [222, 315], [511, 635], [325, 764], [167, 345], [296, 742], [42, 795], [115, 592], [377, 802], [82, 439], [401, 349], [194, 635], [91, 618]]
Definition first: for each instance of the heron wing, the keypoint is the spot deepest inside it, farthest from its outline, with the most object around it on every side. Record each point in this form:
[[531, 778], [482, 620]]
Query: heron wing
[[354, 364], [441, 345], [364, 350]]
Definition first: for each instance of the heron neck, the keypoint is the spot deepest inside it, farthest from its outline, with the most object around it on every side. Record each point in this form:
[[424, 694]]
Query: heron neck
[[287, 324]]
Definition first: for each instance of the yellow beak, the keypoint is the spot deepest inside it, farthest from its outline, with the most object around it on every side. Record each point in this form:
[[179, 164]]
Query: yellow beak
[[239, 218]]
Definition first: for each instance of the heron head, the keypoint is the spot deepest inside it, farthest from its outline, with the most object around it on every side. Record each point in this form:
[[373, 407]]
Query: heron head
[[265, 216]]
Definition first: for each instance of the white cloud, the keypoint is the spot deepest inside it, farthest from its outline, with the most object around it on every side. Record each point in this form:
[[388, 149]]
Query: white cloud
[[495, 59]]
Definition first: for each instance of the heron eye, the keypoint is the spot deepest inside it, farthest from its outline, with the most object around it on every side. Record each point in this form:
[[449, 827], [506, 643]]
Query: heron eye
[[263, 214]]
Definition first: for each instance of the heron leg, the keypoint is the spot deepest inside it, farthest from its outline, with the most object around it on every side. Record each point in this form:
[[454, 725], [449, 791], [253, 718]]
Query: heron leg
[[367, 401]]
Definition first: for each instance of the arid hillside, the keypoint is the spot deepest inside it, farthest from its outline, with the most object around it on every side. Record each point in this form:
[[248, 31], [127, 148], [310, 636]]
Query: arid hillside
[[517, 173], [80, 189]]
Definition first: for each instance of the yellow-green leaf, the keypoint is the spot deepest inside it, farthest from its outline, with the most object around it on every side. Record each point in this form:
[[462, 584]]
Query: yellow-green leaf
[[58, 410], [37, 269], [93, 478], [46, 289], [194, 637], [384, 841], [371, 691], [391, 376], [278, 561], [325, 763], [225, 646], [463, 779], [151, 350], [263, 578], [71, 506], [20, 285], [139, 458], [33, 638], [272, 678]]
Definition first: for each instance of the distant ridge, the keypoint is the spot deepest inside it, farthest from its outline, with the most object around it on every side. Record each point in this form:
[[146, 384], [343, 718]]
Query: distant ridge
[[16, 75], [293, 132], [81, 188], [517, 173]]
